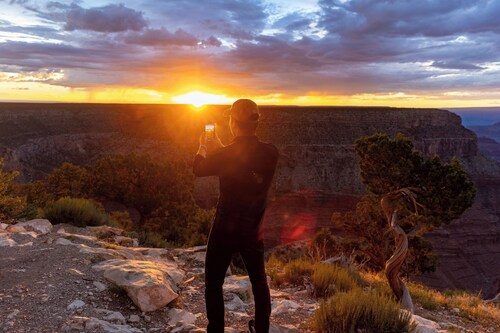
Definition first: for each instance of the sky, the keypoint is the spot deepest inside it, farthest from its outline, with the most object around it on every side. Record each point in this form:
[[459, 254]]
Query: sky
[[411, 53]]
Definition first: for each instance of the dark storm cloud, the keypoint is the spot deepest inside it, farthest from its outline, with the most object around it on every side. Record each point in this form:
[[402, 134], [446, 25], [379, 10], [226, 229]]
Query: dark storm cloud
[[110, 18], [240, 19]]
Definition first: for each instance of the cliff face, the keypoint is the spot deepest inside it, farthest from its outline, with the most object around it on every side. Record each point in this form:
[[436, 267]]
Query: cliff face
[[317, 172]]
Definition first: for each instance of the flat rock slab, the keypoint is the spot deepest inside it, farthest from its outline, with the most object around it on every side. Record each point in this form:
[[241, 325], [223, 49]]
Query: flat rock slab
[[40, 226], [149, 284]]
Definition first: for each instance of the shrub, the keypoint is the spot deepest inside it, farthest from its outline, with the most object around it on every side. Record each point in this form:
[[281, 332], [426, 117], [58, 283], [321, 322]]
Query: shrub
[[122, 220], [323, 245], [330, 279], [296, 270], [12, 206], [274, 268], [356, 310], [75, 211], [153, 239], [429, 299]]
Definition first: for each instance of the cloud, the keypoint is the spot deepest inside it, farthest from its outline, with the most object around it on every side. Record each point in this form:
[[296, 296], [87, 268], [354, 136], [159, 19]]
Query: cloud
[[409, 18], [337, 47], [456, 65], [110, 18], [241, 19], [163, 38]]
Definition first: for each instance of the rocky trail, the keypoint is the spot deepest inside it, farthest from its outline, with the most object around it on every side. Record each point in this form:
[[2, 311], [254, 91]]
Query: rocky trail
[[67, 279]]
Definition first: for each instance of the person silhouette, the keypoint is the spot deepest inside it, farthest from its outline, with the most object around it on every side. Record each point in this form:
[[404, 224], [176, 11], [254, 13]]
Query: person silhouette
[[245, 169]]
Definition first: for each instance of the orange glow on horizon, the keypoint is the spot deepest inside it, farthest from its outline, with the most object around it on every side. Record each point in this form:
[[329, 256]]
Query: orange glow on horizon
[[43, 92]]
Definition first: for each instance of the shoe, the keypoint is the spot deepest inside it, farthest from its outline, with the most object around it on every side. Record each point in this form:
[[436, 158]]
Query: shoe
[[251, 326]]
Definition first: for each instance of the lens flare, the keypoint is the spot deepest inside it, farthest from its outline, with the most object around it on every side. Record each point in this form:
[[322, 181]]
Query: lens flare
[[198, 99]]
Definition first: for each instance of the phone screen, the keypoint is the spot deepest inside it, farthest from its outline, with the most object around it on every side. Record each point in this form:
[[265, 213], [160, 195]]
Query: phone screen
[[210, 131]]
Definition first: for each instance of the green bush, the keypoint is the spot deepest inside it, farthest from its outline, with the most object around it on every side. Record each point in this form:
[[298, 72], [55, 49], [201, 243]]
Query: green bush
[[75, 211], [296, 270], [355, 311], [330, 279]]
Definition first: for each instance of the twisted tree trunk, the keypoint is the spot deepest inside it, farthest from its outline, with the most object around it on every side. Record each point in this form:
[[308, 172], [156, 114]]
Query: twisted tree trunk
[[393, 265]]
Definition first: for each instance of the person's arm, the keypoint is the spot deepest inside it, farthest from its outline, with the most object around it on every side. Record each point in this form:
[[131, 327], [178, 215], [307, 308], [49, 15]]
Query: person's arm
[[210, 165]]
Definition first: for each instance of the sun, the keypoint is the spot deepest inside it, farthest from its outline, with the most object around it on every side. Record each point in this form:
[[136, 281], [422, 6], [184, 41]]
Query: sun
[[198, 99]]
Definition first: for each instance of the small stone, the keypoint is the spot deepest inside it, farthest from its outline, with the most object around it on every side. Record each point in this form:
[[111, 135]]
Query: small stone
[[13, 314], [456, 310], [115, 317], [99, 286], [147, 319], [63, 241], [76, 272], [77, 304], [134, 319]]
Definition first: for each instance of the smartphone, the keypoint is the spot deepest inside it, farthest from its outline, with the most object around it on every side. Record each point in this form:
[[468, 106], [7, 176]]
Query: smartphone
[[210, 131]]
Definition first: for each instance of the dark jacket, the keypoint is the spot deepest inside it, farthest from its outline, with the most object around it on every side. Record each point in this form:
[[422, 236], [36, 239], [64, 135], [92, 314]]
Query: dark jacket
[[245, 169]]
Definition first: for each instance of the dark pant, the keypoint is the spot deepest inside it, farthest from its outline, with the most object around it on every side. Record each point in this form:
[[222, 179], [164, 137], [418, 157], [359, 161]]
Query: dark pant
[[219, 253]]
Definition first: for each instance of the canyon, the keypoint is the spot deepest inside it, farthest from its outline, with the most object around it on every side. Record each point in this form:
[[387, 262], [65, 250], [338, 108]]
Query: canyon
[[317, 173]]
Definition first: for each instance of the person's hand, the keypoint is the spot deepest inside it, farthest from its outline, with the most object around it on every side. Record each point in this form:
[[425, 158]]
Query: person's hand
[[202, 149], [203, 139], [206, 145]]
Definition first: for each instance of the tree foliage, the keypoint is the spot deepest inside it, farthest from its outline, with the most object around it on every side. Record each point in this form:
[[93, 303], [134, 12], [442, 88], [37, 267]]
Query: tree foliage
[[389, 164], [12, 206], [161, 192], [68, 180], [370, 243]]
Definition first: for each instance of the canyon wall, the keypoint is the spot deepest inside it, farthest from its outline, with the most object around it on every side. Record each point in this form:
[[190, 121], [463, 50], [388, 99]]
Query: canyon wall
[[317, 173]]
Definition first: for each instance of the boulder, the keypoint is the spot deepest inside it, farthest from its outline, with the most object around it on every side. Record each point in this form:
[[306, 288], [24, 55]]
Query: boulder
[[239, 285], [126, 241], [236, 304], [105, 231], [16, 228], [148, 284], [424, 325], [3, 226], [284, 306], [180, 316], [6, 241], [40, 226]]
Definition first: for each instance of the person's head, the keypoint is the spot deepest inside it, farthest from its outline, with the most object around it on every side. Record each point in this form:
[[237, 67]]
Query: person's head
[[244, 117]]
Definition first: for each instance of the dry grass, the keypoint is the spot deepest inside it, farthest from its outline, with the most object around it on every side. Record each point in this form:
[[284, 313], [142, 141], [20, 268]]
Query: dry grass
[[296, 270], [471, 307], [356, 311], [330, 279]]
